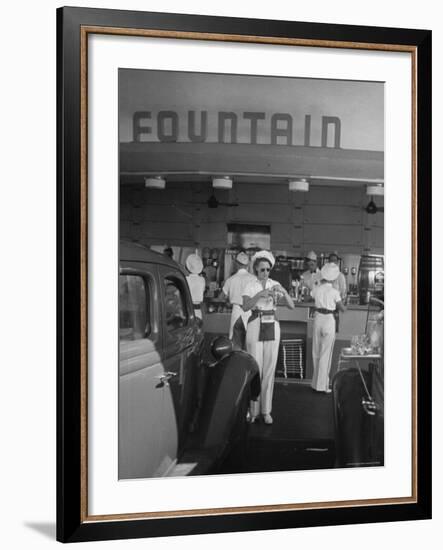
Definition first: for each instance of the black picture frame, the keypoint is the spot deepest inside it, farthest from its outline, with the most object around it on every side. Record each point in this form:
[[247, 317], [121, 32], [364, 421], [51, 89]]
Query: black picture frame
[[72, 521]]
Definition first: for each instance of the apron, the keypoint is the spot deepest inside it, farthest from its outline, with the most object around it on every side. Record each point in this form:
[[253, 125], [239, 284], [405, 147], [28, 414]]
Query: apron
[[238, 312], [267, 324]]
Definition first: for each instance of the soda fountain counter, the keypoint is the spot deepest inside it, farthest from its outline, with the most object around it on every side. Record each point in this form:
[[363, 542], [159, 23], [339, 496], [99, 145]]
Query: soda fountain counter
[[297, 323]]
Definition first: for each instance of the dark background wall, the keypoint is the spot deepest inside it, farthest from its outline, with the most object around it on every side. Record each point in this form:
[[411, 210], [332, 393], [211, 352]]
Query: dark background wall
[[325, 218]]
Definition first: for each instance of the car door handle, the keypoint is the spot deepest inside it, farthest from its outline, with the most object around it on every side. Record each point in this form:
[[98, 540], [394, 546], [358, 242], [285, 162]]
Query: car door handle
[[165, 377]]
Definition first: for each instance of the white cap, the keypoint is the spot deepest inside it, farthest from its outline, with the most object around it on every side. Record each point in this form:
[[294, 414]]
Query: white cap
[[311, 255], [330, 272], [194, 264], [265, 255], [242, 258]]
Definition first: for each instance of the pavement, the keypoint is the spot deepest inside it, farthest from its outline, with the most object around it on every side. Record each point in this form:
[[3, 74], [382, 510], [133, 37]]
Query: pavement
[[300, 438]]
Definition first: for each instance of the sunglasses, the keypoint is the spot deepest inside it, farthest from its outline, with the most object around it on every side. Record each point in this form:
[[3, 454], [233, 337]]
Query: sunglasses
[[263, 269]]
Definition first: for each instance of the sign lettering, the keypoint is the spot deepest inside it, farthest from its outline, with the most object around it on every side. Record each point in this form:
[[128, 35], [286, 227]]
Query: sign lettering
[[276, 129]]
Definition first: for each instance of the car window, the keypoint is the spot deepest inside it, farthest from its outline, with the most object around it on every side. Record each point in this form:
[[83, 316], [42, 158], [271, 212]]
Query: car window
[[134, 308], [175, 304]]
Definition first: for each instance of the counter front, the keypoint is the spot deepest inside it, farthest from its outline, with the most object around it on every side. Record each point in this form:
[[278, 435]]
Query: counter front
[[297, 323]]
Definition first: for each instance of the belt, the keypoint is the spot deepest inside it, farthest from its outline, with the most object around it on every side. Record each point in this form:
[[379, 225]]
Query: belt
[[324, 310], [197, 306], [259, 312]]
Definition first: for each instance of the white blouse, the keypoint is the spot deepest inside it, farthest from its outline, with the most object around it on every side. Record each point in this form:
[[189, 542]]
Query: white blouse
[[254, 287], [325, 296]]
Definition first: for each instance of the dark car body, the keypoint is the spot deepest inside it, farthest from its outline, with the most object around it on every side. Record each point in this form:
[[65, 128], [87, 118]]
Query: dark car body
[[359, 416], [178, 414]]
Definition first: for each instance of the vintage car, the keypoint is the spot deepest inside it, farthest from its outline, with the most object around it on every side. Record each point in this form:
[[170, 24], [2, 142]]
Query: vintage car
[[178, 414], [358, 397]]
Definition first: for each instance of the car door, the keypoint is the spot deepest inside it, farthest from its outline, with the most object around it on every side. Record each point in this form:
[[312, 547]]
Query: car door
[[182, 337], [141, 393]]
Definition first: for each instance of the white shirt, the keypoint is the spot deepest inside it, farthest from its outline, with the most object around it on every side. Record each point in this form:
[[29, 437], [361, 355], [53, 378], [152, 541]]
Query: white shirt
[[340, 285], [254, 287], [310, 279], [196, 285], [235, 285], [325, 296]]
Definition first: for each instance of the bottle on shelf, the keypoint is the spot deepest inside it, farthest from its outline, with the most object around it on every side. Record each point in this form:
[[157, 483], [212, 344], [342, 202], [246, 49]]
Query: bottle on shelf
[[301, 289], [294, 288]]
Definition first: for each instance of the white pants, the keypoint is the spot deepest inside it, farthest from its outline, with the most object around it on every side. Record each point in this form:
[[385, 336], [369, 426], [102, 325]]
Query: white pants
[[323, 339], [266, 354]]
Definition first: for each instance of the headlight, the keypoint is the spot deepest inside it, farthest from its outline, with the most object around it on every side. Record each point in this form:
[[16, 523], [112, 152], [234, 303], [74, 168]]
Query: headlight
[[221, 346]]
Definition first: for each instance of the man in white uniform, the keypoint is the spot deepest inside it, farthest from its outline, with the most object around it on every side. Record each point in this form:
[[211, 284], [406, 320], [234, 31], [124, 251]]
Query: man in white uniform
[[196, 282], [233, 290], [327, 301], [340, 282], [311, 277]]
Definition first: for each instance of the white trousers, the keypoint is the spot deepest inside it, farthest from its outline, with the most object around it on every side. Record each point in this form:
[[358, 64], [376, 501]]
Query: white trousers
[[323, 339], [266, 354]]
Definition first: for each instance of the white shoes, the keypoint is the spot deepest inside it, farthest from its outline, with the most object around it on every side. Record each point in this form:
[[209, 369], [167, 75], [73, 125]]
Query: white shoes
[[267, 419], [322, 391]]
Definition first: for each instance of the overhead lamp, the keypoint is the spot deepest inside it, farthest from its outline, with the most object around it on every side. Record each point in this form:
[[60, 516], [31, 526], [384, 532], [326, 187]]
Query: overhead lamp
[[301, 184], [223, 182], [155, 182], [376, 189]]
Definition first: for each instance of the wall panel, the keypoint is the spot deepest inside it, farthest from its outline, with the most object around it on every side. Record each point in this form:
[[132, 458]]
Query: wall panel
[[333, 235], [262, 213], [323, 194], [332, 214], [323, 219]]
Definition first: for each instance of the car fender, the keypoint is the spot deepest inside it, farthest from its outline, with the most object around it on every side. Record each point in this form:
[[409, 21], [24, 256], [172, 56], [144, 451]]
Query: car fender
[[358, 428], [228, 381]]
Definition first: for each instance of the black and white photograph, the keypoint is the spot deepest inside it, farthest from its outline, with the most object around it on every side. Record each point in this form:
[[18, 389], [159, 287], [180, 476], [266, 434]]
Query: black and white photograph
[[251, 274], [218, 307]]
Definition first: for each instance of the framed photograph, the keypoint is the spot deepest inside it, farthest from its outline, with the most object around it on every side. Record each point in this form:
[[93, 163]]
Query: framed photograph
[[244, 244]]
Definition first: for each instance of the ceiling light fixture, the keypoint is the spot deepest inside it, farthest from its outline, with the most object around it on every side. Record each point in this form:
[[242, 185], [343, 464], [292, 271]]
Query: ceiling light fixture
[[222, 182], [156, 182], [375, 189], [301, 184]]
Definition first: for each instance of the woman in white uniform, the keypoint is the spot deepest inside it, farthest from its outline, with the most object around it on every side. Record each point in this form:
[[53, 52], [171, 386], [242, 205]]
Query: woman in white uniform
[[260, 296], [327, 301]]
